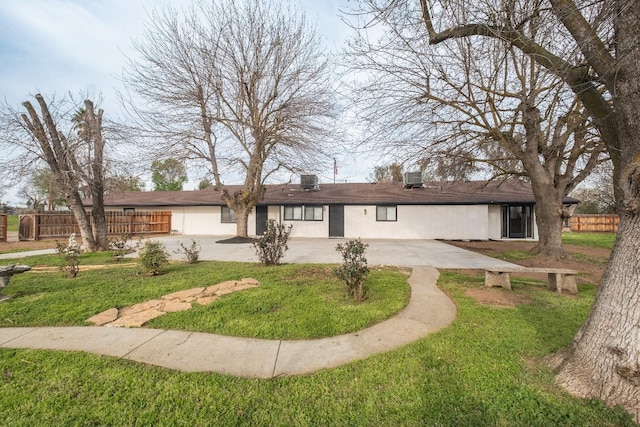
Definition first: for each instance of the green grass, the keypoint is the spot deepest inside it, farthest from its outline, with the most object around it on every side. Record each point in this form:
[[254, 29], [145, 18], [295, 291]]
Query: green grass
[[515, 255], [482, 370], [598, 240], [293, 301], [12, 223]]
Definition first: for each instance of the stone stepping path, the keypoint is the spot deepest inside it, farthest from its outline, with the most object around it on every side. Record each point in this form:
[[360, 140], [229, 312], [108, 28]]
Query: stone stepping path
[[139, 314]]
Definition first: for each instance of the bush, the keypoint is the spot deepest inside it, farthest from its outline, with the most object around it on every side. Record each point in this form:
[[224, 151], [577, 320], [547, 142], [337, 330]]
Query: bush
[[120, 247], [191, 253], [153, 257], [70, 257], [354, 269], [272, 245]]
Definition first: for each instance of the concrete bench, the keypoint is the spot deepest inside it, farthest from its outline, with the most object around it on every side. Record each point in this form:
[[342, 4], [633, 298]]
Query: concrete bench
[[559, 279]]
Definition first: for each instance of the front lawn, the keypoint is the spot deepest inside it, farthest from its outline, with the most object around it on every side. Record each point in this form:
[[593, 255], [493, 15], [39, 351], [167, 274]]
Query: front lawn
[[293, 302], [484, 370], [597, 240]]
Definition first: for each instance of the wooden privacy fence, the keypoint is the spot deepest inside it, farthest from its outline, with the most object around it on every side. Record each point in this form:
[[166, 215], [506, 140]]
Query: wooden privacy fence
[[604, 223], [3, 227], [47, 225]]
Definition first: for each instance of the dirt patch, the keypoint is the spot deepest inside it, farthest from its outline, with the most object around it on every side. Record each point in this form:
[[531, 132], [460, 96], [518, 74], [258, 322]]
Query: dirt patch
[[237, 240], [588, 261], [497, 297], [29, 245]]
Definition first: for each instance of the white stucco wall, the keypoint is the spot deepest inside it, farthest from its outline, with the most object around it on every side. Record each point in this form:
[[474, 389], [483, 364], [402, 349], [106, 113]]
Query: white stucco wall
[[310, 228], [475, 222], [273, 212], [419, 222], [495, 221]]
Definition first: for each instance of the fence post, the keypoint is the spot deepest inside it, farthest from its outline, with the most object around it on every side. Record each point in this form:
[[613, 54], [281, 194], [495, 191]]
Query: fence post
[[36, 226]]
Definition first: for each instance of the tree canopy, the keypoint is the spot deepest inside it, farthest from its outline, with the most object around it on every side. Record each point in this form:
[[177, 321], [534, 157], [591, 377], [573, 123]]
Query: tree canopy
[[168, 175], [243, 88]]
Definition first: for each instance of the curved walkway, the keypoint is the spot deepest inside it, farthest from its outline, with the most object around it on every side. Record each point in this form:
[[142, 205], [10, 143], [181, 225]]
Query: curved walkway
[[428, 311]]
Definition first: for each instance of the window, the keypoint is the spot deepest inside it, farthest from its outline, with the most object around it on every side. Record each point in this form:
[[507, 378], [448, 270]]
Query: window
[[386, 213], [303, 213], [293, 213], [313, 213], [228, 215]]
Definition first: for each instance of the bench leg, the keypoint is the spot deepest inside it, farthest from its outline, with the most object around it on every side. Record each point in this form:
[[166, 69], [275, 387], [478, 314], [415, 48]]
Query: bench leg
[[497, 278], [559, 282]]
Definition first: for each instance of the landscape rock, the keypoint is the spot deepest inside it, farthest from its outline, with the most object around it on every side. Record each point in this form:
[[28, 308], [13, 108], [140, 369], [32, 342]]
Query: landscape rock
[[139, 314], [105, 317]]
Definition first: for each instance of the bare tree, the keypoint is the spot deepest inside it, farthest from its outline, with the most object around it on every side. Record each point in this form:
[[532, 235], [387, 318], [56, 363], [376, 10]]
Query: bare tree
[[473, 106], [596, 52], [75, 160], [242, 87], [596, 193]]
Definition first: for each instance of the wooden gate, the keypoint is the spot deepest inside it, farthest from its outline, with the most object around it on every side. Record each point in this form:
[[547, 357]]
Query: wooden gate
[[27, 227], [50, 225], [3, 227]]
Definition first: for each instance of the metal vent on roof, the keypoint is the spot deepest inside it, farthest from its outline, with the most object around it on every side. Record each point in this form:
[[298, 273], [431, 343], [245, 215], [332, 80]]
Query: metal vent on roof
[[309, 182], [412, 179]]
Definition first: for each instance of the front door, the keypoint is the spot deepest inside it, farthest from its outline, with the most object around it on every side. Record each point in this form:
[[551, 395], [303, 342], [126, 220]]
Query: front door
[[517, 221], [261, 220], [336, 221]]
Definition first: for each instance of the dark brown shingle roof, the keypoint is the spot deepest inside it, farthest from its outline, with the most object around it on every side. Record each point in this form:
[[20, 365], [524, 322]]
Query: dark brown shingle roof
[[433, 193]]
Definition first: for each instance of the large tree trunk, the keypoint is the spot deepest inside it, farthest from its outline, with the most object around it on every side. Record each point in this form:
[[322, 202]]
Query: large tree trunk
[[99, 221], [604, 361], [95, 140], [242, 220], [549, 220], [549, 216], [79, 212]]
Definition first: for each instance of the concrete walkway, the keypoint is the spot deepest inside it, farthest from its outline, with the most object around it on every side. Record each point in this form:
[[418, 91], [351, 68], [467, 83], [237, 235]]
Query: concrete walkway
[[403, 253], [428, 310]]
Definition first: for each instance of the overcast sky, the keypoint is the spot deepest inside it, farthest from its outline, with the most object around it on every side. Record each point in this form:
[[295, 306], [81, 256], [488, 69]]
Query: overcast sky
[[56, 46]]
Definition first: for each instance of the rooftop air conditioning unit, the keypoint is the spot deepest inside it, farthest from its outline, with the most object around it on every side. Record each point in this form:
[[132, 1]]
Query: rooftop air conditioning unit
[[412, 179], [309, 182]]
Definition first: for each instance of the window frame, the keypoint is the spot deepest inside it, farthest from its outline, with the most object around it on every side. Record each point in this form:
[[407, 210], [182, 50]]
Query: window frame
[[386, 211], [315, 208], [292, 209], [299, 213], [230, 217]]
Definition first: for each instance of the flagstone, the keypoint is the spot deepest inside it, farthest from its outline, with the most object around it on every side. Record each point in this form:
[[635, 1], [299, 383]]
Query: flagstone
[[136, 319], [139, 314], [142, 306], [175, 306], [105, 317], [183, 295]]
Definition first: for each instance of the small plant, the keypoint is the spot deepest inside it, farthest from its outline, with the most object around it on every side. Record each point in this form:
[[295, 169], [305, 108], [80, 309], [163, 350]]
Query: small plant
[[191, 253], [120, 247], [153, 257], [272, 245], [353, 270], [69, 255]]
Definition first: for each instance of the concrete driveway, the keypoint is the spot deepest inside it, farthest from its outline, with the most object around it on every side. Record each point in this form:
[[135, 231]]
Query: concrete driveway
[[406, 253]]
